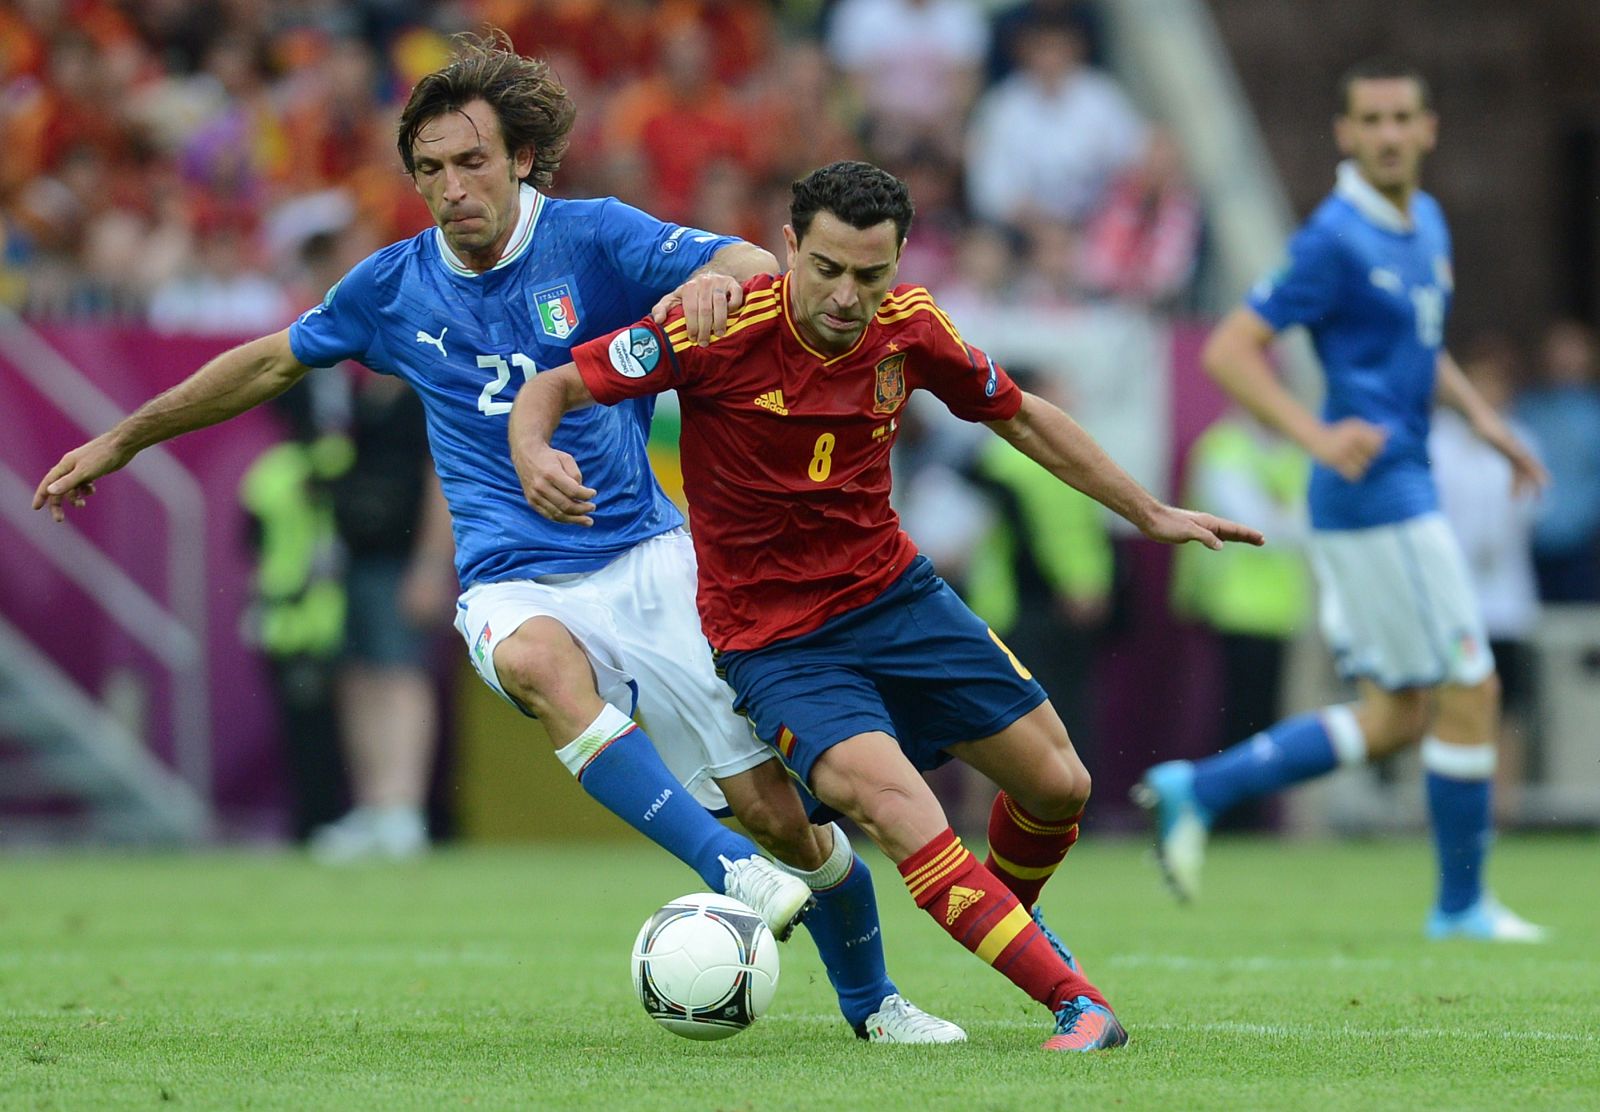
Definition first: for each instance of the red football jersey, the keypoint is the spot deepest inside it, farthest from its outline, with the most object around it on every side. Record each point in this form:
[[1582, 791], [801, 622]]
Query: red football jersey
[[786, 451]]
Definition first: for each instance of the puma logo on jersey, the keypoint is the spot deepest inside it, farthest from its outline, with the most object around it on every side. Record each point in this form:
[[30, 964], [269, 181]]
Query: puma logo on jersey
[[773, 400], [438, 342], [961, 898], [1386, 279]]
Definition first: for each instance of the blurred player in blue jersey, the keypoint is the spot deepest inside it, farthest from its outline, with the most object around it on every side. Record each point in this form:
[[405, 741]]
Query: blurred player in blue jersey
[[1369, 277], [577, 630]]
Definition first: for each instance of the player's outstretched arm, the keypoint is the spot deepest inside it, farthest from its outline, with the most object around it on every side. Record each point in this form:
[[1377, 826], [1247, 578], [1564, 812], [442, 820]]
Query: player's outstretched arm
[[715, 290], [1059, 444], [225, 387], [551, 479], [1456, 391], [1236, 357]]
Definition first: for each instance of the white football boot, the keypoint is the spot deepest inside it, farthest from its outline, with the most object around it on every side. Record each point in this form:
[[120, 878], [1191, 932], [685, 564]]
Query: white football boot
[[898, 1020], [780, 898], [371, 834]]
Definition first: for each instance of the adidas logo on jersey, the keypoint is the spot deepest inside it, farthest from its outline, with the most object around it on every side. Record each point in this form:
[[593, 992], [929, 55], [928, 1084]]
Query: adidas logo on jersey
[[960, 899], [773, 400]]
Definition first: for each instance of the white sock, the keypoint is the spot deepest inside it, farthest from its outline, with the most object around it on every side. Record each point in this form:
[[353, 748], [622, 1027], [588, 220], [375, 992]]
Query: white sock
[[1458, 762], [1344, 730], [831, 871], [606, 728]]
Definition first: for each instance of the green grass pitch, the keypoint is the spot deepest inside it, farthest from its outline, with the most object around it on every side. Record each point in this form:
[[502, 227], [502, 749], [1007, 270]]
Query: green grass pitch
[[499, 979]]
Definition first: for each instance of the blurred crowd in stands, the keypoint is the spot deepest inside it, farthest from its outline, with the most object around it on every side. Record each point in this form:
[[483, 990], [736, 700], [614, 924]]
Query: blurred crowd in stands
[[205, 165], [215, 165]]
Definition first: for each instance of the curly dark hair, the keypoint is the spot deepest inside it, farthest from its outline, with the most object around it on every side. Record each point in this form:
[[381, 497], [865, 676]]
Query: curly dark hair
[[859, 193], [531, 104]]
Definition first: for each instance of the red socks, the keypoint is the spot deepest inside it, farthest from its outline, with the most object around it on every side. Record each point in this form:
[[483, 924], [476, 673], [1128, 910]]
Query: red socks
[[982, 914], [1023, 850]]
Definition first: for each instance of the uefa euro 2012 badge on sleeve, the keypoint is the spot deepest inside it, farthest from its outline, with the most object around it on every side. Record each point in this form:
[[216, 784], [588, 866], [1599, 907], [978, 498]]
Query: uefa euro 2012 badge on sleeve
[[635, 353]]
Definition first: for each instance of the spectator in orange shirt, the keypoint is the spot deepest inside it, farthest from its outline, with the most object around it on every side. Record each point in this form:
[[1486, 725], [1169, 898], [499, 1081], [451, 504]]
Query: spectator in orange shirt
[[678, 121]]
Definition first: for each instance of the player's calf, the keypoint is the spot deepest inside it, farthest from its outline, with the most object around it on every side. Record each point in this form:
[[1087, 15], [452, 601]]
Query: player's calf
[[766, 804], [1025, 849]]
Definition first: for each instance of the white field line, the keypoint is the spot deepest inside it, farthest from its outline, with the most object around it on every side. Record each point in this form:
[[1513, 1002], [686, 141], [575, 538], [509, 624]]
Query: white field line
[[1268, 1030], [314, 956], [1450, 956], [370, 954]]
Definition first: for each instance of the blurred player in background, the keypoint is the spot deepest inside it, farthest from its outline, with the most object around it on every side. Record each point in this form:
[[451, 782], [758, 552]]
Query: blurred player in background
[[848, 652], [575, 629], [1369, 276]]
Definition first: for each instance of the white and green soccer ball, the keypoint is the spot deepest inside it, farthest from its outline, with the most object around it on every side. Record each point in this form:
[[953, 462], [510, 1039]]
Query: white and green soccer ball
[[705, 966]]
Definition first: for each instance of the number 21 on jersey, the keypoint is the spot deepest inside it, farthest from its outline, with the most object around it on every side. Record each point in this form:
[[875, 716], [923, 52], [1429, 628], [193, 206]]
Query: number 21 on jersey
[[502, 378]]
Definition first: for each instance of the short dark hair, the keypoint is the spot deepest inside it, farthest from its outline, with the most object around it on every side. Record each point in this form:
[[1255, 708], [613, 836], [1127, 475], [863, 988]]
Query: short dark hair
[[1381, 69], [531, 104], [859, 193]]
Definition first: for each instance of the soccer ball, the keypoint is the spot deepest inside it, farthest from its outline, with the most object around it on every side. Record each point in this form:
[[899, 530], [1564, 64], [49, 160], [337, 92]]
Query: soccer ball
[[705, 966]]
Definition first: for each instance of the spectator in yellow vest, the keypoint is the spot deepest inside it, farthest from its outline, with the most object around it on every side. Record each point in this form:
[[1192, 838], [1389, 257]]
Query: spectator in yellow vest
[[1255, 599], [1042, 575]]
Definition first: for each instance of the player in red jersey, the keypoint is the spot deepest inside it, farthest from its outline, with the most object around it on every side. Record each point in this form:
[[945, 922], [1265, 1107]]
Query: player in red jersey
[[849, 654]]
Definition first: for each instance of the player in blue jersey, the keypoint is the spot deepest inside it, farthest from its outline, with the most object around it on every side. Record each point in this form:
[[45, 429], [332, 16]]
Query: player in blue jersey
[[1369, 277], [579, 631]]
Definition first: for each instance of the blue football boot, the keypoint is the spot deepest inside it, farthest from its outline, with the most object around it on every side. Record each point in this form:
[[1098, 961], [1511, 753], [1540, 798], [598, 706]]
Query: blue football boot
[[1182, 826], [1082, 1026], [1488, 920]]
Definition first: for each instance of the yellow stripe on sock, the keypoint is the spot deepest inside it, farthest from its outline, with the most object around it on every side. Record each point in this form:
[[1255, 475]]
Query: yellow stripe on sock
[[943, 864], [1023, 872], [1003, 933], [939, 875], [1032, 825], [940, 858]]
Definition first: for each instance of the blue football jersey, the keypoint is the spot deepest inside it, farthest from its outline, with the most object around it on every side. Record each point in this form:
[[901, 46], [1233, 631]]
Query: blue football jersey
[[466, 342], [1373, 289]]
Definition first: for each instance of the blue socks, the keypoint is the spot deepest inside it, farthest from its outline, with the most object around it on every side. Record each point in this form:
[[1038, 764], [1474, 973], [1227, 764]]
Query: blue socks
[[845, 927], [616, 763], [1459, 782], [1295, 749]]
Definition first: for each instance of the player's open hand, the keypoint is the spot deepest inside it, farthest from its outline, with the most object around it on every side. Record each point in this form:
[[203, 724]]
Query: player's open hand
[[1171, 525], [707, 299], [71, 480], [1528, 475], [553, 485], [1349, 446]]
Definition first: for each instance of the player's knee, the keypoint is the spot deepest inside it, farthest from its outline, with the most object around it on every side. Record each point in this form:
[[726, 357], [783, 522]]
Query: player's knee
[[540, 671], [1488, 693], [1061, 793], [1472, 711], [1403, 720]]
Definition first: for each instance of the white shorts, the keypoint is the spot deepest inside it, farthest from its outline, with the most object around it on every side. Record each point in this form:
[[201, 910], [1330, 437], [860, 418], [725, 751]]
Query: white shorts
[[1397, 605], [636, 620]]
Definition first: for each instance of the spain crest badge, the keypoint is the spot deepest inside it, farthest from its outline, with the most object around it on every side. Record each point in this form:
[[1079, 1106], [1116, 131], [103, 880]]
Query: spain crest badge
[[890, 389]]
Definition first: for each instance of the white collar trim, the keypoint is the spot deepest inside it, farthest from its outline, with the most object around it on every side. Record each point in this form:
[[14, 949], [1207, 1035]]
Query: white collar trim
[[530, 204], [1371, 204]]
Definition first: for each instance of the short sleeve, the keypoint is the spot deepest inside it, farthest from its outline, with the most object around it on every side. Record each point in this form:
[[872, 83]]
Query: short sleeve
[[342, 326], [971, 384], [1306, 290], [652, 253], [631, 362]]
